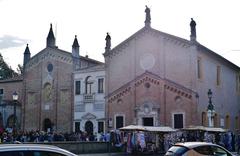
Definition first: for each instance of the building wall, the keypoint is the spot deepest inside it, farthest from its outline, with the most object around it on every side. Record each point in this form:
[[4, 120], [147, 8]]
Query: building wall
[[172, 60], [225, 96], [150, 51], [10, 87], [7, 104], [48, 93], [93, 110]]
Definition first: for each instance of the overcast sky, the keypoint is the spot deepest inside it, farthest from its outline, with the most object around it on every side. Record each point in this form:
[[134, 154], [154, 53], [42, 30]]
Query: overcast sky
[[28, 21]]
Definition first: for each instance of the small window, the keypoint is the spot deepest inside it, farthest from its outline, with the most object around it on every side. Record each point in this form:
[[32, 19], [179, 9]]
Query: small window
[[199, 68], [204, 120], [1, 95], [77, 126], [1, 92], [236, 123], [218, 80], [77, 87], [227, 121], [147, 85], [100, 127], [238, 83], [50, 67], [119, 122], [178, 121], [100, 85]]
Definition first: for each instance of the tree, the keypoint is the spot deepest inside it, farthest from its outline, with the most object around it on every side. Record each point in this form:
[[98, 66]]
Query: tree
[[20, 69], [6, 71]]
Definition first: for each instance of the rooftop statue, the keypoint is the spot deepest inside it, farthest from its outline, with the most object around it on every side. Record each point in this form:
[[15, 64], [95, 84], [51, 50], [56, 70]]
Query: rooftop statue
[[148, 16], [193, 27]]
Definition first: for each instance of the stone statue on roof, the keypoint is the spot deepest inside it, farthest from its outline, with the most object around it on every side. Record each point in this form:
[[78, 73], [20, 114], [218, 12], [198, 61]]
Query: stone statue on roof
[[193, 27], [148, 16], [108, 42]]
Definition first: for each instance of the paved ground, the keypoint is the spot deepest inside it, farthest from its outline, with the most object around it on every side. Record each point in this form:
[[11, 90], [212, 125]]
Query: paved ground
[[104, 154], [116, 154], [111, 154], [123, 154]]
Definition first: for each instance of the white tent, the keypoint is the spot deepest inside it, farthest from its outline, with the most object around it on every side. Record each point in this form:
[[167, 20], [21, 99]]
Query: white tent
[[133, 127], [148, 128], [202, 128], [159, 129]]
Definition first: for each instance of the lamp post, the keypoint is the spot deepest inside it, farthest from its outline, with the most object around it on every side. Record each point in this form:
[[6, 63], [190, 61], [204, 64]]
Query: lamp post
[[210, 109], [15, 98]]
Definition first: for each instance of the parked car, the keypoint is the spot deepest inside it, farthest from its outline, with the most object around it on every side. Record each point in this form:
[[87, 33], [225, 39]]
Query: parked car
[[197, 149], [32, 150]]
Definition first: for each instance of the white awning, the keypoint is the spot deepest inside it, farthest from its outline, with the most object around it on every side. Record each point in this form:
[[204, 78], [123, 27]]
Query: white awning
[[148, 128]]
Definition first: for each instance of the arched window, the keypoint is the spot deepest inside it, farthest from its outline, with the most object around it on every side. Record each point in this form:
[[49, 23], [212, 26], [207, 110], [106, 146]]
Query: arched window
[[227, 122], [204, 119], [88, 85], [89, 127], [47, 92], [216, 120], [236, 123], [10, 121]]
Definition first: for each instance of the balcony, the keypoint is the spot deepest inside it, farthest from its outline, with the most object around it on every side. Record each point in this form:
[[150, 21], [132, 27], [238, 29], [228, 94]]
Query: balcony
[[88, 98]]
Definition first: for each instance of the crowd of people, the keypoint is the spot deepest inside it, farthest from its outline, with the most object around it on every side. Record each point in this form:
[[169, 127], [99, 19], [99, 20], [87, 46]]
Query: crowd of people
[[227, 140], [41, 136]]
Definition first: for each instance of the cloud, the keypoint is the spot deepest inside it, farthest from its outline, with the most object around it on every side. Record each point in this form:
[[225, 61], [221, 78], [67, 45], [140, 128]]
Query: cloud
[[8, 41]]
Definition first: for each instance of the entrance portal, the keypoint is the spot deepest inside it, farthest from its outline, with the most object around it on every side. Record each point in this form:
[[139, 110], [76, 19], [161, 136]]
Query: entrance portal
[[147, 121], [89, 127], [47, 125]]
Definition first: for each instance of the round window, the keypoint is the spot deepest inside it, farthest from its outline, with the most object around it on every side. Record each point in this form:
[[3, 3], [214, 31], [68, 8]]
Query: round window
[[147, 85]]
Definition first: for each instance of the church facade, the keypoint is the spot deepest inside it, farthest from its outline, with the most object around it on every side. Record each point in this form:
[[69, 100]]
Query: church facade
[[45, 88], [154, 78]]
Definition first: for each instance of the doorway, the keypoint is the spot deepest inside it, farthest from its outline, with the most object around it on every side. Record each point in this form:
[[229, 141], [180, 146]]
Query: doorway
[[89, 127], [47, 125], [147, 121]]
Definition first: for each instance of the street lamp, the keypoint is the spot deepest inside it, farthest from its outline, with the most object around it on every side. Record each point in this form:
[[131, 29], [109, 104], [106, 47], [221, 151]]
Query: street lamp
[[15, 98], [210, 109]]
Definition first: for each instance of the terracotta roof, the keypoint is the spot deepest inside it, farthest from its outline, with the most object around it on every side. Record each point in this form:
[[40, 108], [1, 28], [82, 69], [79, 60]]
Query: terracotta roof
[[14, 79]]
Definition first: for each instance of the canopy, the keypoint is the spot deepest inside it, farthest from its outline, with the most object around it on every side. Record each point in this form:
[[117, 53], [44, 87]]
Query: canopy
[[133, 127], [149, 128], [160, 129], [202, 128]]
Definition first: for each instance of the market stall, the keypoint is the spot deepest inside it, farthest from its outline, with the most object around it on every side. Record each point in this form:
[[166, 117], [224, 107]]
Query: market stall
[[201, 133], [145, 139]]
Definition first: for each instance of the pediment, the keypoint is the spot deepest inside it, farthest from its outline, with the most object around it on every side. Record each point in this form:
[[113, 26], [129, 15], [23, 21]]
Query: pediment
[[89, 116], [147, 78], [49, 54], [155, 33]]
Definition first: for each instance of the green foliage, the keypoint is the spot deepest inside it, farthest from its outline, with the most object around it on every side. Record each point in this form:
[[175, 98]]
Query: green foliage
[[6, 71]]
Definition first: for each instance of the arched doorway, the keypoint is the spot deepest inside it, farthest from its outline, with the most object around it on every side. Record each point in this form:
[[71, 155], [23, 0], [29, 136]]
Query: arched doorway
[[204, 119], [227, 122], [47, 125], [10, 121], [89, 127]]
